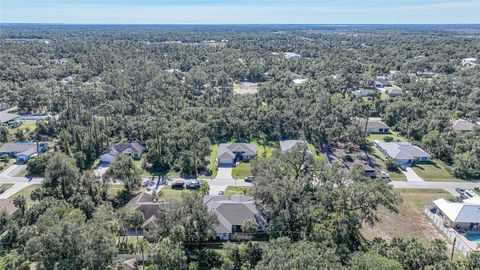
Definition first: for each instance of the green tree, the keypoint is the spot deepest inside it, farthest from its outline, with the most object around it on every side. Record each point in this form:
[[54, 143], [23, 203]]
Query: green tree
[[167, 255], [124, 169], [61, 176], [21, 203]]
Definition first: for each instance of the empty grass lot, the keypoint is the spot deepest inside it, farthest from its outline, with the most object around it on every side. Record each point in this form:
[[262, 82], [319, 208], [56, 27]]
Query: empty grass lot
[[410, 221], [29, 125], [242, 170]]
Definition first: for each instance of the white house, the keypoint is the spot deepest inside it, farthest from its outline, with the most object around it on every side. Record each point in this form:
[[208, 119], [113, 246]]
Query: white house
[[373, 126], [464, 215], [470, 62], [232, 214]]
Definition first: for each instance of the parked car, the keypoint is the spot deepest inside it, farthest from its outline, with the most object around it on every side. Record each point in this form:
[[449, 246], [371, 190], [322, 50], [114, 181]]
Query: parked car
[[248, 178], [193, 184], [221, 192], [178, 184]]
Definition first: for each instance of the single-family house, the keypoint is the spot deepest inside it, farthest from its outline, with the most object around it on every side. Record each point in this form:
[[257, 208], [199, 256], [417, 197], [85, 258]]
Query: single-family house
[[373, 126], [22, 151], [470, 62], [364, 92], [381, 83], [461, 125], [7, 206], [395, 93], [287, 145], [144, 202], [404, 153], [232, 214], [231, 153], [6, 118], [465, 215], [131, 149], [292, 55]]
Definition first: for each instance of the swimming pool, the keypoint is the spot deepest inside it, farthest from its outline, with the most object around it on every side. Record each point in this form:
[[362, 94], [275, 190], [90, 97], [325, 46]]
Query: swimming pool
[[473, 236]]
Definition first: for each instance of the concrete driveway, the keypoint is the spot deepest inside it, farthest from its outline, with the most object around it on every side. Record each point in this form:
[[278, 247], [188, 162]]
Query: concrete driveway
[[224, 179], [224, 173], [411, 175], [13, 169]]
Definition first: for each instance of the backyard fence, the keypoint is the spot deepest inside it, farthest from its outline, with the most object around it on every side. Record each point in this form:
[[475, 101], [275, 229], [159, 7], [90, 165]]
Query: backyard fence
[[460, 244]]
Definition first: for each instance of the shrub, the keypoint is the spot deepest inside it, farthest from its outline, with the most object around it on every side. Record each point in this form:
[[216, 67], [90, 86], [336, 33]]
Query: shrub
[[388, 139]]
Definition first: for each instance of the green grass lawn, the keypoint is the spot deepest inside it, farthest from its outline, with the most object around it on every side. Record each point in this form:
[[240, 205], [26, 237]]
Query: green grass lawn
[[231, 190], [436, 171], [212, 161], [267, 151], [29, 125], [242, 170], [396, 137], [379, 159], [315, 153], [169, 194], [26, 192], [410, 221]]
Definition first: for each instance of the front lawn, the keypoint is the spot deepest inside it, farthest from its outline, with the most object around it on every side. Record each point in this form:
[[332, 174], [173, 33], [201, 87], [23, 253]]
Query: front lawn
[[231, 190], [314, 152], [29, 125], [436, 171], [242, 170], [167, 193], [212, 161]]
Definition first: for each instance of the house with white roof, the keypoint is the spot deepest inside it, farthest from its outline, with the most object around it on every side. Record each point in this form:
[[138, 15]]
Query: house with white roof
[[288, 145], [404, 153], [232, 214], [469, 62], [465, 215], [461, 125], [131, 149]]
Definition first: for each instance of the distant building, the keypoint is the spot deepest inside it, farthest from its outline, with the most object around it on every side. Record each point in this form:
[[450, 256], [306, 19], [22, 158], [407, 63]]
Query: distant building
[[232, 214], [22, 151], [287, 145], [231, 153], [292, 55], [364, 92], [381, 83], [404, 153], [131, 149], [395, 93], [373, 126], [461, 125], [8, 206], [470, 62], [7, 118]]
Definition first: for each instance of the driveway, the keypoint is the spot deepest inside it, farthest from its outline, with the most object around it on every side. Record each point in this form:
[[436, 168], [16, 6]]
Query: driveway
[[224, 173], [13, 169], [411, 175], [224, 179], [101, 169], [14, 189]]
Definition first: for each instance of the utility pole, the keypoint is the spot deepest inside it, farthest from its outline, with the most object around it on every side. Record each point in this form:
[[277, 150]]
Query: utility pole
[[453, 248]]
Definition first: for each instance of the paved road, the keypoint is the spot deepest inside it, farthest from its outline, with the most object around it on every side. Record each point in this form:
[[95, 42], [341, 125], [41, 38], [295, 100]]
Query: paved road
[[448, 186], [14, 189]]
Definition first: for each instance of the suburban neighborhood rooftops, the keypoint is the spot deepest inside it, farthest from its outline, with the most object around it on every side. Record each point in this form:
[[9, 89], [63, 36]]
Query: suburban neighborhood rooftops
[[6, 117], [286, 145], [232, 212], [229, 149], [459, 212], [136, 147], [8, 206], [372, 124], [19, 148], [462, 125], [402, 150]]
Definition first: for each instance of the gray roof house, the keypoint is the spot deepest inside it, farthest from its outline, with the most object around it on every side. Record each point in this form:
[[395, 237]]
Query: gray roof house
[[461, 125], [381, 83], [131, 149], [395, 93], [458, 215], [373, 126], [144, 202], [287, 145], [230, 153], [7, 117], [232, 214], [403, 152]]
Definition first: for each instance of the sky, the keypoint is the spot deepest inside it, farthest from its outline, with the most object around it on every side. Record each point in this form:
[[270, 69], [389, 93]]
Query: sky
[[240, 11]]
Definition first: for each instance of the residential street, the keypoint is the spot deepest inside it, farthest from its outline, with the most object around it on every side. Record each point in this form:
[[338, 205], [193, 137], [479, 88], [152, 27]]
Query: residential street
[[448, 186]]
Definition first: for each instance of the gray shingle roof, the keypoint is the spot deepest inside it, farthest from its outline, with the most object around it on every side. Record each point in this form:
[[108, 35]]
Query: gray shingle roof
[[18, 148], [402, 150], [232, 212], [229, 149], [5, 117], [462, 125], [286, 145]]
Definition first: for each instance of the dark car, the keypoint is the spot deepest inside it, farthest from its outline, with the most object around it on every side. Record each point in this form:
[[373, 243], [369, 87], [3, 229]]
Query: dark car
[[193, 184], [248, 178], [178, 184]]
